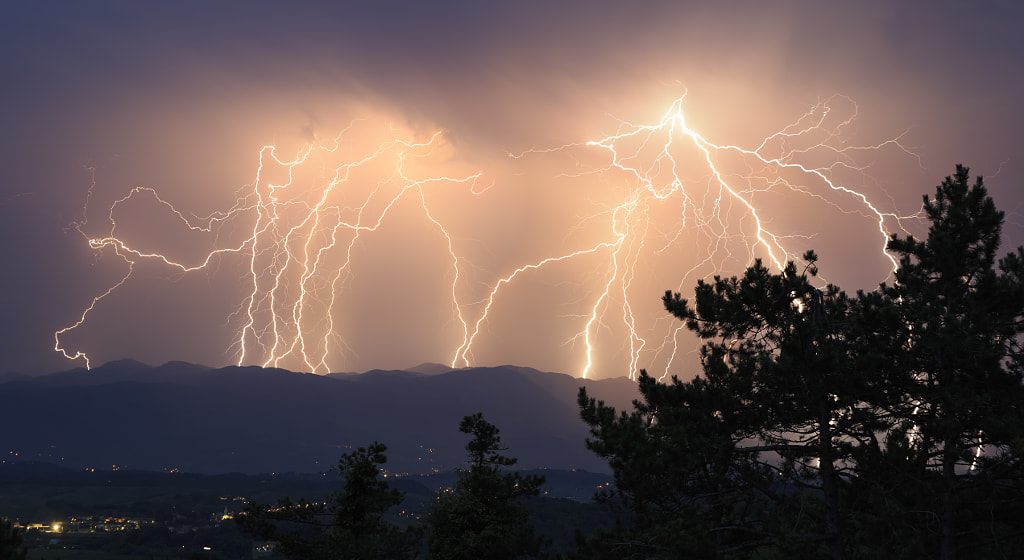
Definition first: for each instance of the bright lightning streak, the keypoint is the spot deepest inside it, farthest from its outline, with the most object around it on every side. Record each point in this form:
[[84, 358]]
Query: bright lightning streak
[[650, 157], [292, 247], [657, 187]]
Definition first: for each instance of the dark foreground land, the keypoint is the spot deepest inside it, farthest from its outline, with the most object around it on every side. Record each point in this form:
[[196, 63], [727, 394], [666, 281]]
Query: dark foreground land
[[84, 515]]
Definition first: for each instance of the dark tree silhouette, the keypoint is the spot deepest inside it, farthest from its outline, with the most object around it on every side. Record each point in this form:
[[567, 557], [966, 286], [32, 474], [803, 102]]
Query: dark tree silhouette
[[350, 524], [483, 515], [679, 481], [958, 368], [774, 341], [769, 424], [10, 542]]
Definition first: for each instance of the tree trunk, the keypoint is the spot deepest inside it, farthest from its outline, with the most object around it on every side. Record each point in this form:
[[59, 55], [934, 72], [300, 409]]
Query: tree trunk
[[828, 483], [948, 545]]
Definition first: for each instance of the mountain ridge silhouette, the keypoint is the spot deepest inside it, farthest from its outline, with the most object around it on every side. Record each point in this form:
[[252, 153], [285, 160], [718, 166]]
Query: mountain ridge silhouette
[[250, 419]]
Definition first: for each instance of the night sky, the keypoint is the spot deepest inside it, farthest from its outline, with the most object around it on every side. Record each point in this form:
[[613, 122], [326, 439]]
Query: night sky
[[785, 105]]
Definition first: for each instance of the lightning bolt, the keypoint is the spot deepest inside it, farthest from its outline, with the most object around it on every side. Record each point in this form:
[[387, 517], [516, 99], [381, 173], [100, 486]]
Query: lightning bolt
[[652, 191], [652, 164], [295, 237]]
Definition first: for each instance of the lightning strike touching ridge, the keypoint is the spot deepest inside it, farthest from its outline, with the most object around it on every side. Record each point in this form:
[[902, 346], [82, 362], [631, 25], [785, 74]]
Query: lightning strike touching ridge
[[555, 260], [302, 220]]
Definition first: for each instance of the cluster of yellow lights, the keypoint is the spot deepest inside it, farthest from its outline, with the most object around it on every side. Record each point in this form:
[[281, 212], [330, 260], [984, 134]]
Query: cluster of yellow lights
[[299, 241]]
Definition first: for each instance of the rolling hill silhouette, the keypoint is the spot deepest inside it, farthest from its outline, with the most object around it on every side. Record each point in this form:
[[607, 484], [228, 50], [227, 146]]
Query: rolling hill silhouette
[[250, 419]]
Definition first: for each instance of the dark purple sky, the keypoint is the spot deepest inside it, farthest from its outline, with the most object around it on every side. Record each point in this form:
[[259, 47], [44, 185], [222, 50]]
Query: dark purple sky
[[181, 97]]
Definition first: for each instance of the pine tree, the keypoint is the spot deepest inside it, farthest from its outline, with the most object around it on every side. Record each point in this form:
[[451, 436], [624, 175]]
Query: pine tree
[[349, 525], [779, 344], [961, 320], [679, 482], [483, 515]]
